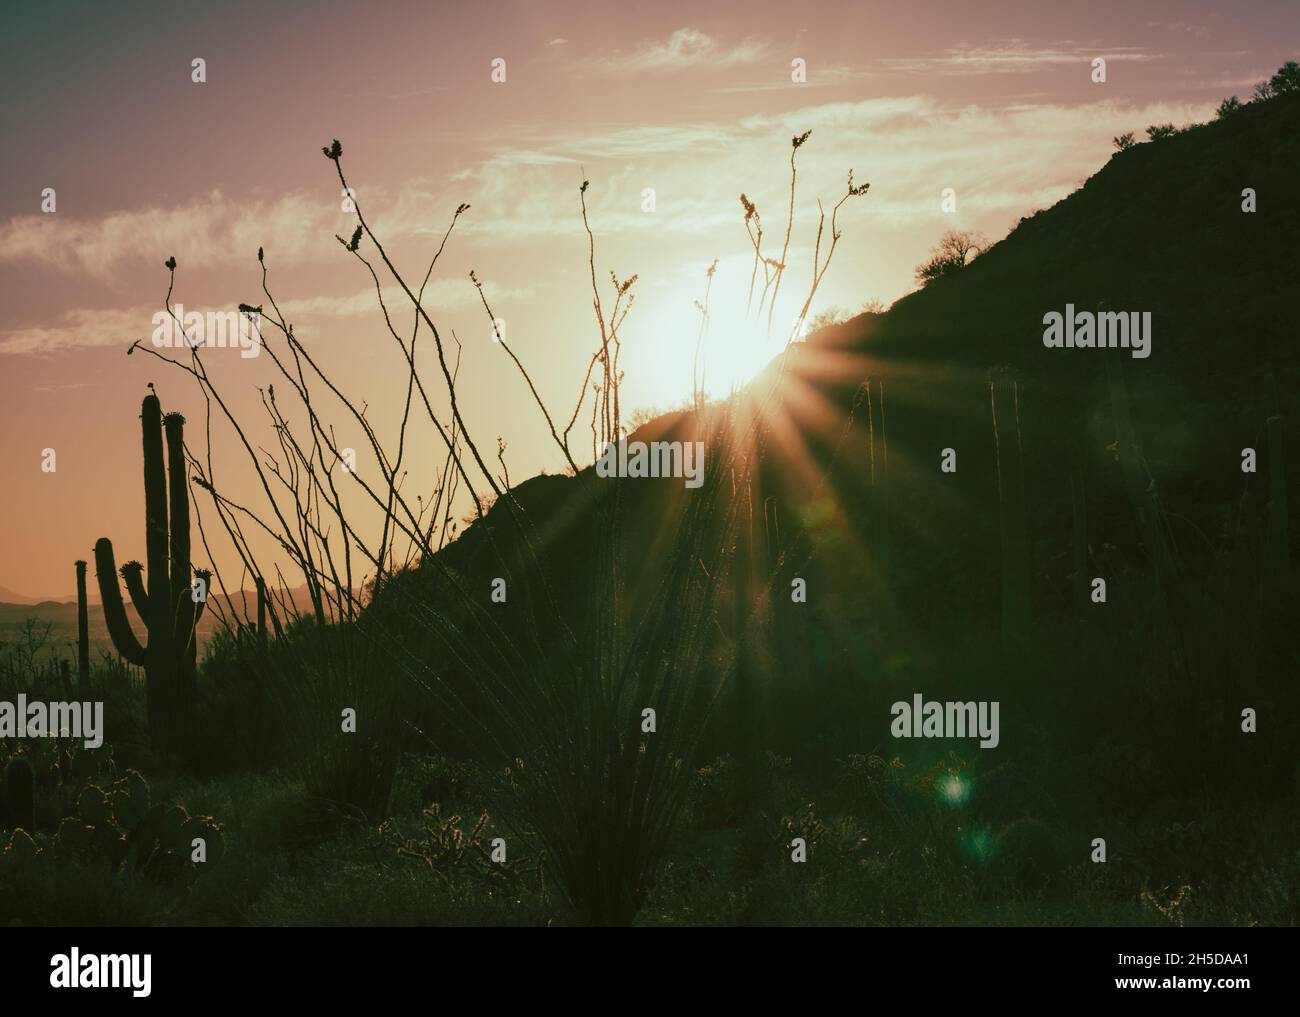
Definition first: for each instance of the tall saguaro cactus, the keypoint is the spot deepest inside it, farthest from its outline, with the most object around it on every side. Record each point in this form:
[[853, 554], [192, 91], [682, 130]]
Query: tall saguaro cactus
[[83, 632], [169, 613]]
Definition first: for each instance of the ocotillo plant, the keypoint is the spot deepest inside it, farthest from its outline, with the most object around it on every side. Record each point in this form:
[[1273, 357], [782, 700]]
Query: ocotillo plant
[[169, 612], [83, 631], [261, 610], [564, 716]]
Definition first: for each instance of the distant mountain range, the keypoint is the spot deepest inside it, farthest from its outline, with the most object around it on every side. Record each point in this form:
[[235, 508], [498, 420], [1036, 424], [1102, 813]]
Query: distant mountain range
[[8, 596], [61, 615]]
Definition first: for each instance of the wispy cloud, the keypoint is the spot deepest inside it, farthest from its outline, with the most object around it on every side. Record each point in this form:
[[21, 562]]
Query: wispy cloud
[[86, 327], [203, 233], [1001, 159], [80, 327], [1013, 57], [818, 77], [1186, 27], [685, 48], [440, 294], [214, 232]]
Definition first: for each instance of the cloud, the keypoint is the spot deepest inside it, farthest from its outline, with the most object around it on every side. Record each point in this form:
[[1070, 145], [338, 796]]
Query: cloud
[[439, 295], [67, 387], [1238, 81], [204, 233], [80, 328], [685, 48], [1012, 57], [83, 327], [216, 231], [1002, 160], [818, 77], [1200, 31]]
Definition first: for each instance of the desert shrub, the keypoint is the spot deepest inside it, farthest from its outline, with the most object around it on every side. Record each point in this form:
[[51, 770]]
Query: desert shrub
[[955, 250], [1283, 82], [141, 857], [241, 699], [713, 801], [1227, 108]]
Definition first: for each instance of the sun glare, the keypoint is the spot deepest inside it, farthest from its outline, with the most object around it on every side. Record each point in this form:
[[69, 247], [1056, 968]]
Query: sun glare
[[736, 345]]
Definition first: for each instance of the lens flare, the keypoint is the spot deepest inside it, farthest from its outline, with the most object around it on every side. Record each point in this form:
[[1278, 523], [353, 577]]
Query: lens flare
[[953, 789]]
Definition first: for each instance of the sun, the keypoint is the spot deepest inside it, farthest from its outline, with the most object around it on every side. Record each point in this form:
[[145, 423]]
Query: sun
[[666, 353]]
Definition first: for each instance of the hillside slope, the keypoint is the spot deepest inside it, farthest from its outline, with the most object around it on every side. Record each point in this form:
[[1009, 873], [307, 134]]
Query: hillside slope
[[1158, 229], [909, 566]]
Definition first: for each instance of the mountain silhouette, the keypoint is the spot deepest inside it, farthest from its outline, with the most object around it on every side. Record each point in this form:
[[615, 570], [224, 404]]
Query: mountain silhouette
[[1131, 468], [1159, 229]]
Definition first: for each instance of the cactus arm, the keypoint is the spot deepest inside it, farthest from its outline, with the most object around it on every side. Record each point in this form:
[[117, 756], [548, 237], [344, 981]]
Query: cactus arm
[[119, 628], [188, 615], [206, 576], [133, 574]]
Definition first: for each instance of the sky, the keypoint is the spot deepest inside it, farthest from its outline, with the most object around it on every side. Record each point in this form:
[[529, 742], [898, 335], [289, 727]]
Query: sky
[[670, 110]]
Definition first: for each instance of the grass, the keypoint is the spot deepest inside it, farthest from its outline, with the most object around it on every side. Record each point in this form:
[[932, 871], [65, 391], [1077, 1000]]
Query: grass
[[881, 854]]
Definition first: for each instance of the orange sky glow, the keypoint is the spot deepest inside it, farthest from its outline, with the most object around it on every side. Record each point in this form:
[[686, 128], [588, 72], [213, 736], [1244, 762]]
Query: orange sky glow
[[670, 110]]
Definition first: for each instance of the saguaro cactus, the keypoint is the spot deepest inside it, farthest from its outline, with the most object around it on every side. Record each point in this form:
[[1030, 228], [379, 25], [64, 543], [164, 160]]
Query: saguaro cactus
[[169, 613], [83, 632]]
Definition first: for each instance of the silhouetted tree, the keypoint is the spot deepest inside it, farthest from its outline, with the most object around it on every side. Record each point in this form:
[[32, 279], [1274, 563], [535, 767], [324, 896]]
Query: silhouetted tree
[[827, 317], [1285, 81], [1228, 107], [956, 249]]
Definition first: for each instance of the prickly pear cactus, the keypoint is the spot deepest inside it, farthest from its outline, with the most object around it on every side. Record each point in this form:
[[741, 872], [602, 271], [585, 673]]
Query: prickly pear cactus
[[130, 800], [204, 832], [74, 837], [165, 840], [93, 806], [114, 820], [20, 849]]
